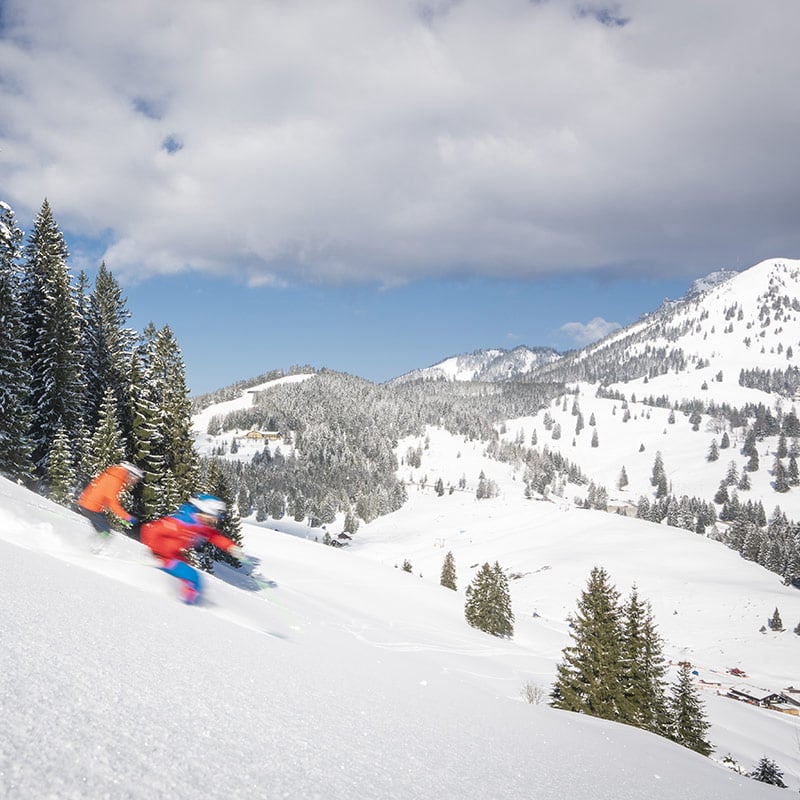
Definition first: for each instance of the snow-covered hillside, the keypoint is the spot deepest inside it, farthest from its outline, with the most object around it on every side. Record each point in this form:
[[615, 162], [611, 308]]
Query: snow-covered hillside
[[751, 320], [206, 444], [350, 679]]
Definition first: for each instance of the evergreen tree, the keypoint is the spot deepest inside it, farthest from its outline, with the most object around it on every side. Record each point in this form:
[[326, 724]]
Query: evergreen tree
[[105, 446], [108, 348], [767, 771], [688, 725], [448, 576], [60, 472], [166, 381], [276, 508], [15, 412], [658, 469], [732, 475], [53, 330], [749, 447], [488, 605], [781, 482], [713, 451], [407, 566], [643, 668], [792, 473], [725, 441], [776, 623], [622, 481], [145, 448], [595, 440], [589, 678]]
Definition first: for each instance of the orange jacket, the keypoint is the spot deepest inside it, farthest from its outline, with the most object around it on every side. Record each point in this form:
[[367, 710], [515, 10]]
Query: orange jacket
[[104, 491], [170, 538]]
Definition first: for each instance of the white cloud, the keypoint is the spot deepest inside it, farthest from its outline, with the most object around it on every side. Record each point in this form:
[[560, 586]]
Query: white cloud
[[331, 142], [592, 331]]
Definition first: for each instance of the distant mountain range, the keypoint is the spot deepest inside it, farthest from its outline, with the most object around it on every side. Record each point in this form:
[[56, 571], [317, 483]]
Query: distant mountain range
[[498, 364], [495, 364]]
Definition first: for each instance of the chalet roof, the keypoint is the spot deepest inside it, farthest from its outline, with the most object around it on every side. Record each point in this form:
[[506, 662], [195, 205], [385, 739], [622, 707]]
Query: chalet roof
[[753, 692]]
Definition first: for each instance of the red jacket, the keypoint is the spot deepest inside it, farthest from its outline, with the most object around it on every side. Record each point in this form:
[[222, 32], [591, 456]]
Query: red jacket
[[103, 492], [169, 538]]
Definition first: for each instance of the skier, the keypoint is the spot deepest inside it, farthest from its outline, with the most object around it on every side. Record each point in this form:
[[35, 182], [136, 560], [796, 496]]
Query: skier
[[193, 524], [103, 493]]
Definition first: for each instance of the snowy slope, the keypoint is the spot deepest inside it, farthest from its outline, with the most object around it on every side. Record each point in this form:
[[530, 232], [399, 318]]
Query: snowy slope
[[349, 680], [205, 444], [727, 327]]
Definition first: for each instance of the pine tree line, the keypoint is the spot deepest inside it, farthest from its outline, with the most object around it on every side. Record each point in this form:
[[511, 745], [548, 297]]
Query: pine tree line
[[79, 390], [774, 544], [615, 668]]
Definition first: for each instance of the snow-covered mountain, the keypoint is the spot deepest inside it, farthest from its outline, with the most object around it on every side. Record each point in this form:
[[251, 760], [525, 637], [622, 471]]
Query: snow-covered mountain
[[710, 281], [698, 347], [485, 365]]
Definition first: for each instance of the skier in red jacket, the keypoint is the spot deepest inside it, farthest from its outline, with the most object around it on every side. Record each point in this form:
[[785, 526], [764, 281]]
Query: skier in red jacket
[[193, 524]]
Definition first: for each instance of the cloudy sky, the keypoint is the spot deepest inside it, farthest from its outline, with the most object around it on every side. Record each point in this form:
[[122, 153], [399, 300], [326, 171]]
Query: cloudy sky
[[479, 174]]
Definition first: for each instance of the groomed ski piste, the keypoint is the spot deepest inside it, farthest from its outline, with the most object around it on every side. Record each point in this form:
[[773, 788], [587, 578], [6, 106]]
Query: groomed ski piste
[[349, 678]]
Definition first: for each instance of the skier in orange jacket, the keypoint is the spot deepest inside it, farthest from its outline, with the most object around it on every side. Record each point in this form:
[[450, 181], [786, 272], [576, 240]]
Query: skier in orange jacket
[[102, 495]]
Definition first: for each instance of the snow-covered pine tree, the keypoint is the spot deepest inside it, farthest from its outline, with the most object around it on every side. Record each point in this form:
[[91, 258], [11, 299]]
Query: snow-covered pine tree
[[488, 605], [781, 482], [107, 350], [589, 678], [622, 481], [145, 449], [644, 668], [792, 472], [15, 412], [688, 725], [60, 477], [448, 575], [658, 469], [53, 331], [767, 771], [105, 446], [165, 376], [775, 622]]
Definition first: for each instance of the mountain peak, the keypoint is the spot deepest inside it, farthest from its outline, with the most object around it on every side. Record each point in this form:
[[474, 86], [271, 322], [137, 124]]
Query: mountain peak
[[495, 364]]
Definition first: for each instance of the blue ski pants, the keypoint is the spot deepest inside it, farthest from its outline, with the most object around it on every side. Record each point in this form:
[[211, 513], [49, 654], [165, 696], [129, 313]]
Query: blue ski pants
[[189, 577]]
